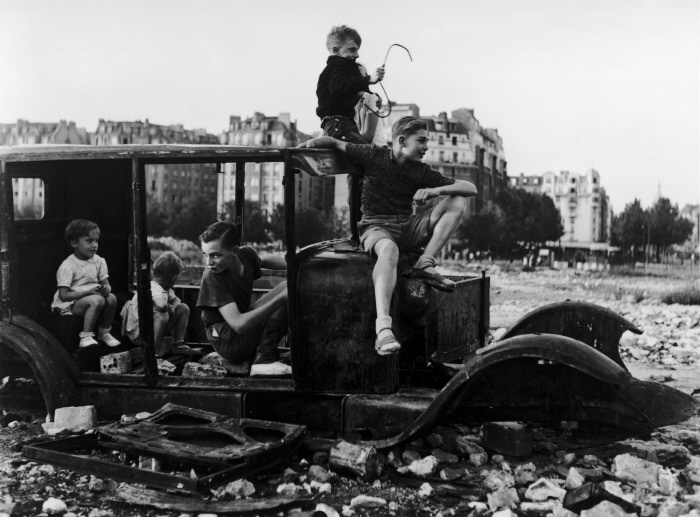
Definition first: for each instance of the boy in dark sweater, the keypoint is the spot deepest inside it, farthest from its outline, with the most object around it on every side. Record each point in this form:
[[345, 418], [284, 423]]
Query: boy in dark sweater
[[340, 85]]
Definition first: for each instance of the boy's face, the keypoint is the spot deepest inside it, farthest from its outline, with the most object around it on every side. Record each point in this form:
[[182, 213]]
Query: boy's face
[[216, 257], [86, 245], [349, 50], [414, 146]]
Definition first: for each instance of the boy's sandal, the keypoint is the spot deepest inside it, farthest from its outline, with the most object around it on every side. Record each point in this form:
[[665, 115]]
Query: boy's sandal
[[435, 280], [387, 345]]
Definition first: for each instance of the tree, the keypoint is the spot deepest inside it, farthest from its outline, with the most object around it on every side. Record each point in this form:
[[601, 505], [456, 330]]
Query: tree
[[157, 221], [483, 229], [667, 226], [190, 218], [256, 226], [630, 228]]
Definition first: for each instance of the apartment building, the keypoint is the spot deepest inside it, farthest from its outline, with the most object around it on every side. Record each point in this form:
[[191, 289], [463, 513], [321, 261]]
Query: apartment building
[[264, 180], [24, 132], [581, 200]]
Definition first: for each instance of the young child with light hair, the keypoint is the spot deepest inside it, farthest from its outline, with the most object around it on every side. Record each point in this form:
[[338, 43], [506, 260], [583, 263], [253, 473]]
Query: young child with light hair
[[170, 315], [83, 285]]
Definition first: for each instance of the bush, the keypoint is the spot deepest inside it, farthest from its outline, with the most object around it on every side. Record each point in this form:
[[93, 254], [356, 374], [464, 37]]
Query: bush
[[188, 251], [687, 296]]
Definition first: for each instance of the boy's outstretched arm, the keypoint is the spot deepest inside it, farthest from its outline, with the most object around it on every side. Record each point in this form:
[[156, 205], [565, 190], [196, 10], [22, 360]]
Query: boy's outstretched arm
[[324, 142]]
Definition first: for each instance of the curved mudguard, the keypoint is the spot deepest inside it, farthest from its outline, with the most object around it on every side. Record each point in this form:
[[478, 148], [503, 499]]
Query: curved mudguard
[[592, 324], [548, 378], [53, 368]]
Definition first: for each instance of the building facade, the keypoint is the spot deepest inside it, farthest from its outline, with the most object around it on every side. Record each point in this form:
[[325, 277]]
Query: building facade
[[24, 132], [169, 185], [583, 205], [459, 148], [264, 180]]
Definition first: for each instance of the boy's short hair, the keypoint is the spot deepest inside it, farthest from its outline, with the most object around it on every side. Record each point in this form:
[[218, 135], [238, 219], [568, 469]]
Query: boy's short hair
[[168, 265], [80, 228], [407, 126], [227, 232], [339, 34]]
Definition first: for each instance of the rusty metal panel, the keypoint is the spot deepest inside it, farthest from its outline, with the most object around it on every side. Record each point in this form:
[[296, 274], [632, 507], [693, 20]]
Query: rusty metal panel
[[335, 326], [455, 328], [375, 417], [114, 401], [322, 414]]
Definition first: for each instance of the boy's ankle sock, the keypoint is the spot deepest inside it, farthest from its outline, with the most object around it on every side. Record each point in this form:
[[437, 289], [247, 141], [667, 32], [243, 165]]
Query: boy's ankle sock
[[86, 339], [382, 323], [108, 338]]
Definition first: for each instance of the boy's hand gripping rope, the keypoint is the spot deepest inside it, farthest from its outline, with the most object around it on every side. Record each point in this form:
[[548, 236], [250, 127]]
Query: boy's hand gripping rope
[[388, 102]]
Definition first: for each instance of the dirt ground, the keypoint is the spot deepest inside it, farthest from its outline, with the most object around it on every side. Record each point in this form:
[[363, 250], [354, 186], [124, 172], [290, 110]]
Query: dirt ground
[[24, 485]]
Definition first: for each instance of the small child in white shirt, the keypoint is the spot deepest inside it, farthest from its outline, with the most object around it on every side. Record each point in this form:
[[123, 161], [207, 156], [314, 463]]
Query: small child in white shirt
[[170, 315], [83, 285]]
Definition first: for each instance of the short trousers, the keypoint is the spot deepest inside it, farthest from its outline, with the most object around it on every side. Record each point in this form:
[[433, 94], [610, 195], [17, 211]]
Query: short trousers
[[409, 232], [232, 346], [342, 128]]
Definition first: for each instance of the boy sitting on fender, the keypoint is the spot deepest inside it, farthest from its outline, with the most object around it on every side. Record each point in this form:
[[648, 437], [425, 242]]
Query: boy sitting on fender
[[394, 179]]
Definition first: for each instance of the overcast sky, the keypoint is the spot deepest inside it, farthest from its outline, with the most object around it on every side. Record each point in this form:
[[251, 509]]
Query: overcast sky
[[569, 84]]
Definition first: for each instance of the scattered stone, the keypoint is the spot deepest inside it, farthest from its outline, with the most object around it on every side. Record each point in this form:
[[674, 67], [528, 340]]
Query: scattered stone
[[425, 490], [605, 509], [497, 459], [215, 359], [452, 474], [673, 508], [203, 370], [290, 475], [290, 489], [119, 362], [498, 479], [328, 510], [541, 507], [525, 474], [318, 473], [478, 459], [321, 488], [591, 494], [574, 479], [506, 512], [666, 454], [425, 467], [54, 506], [688, 437], [635, 470], [668, 482], [165, 367], [503, 498], [509, 438], [240, 488], [445, 457], [409, 456], [76, 418], [96, 484], [466, 447], [544, 489], [366, 501]]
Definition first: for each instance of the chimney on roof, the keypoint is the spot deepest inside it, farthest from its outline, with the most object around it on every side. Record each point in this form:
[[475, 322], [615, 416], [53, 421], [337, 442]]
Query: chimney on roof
[[286, 119]]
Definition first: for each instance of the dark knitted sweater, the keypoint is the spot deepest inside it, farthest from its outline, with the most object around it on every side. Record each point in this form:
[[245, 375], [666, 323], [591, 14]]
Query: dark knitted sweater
[[338, 86], [388, 188]]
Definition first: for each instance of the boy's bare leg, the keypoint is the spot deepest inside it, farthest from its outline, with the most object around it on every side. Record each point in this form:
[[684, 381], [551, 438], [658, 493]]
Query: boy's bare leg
[[90, 308], [444, 221], [178, 322], [110, 307], [384, 278], [106, 318], [160, 325]]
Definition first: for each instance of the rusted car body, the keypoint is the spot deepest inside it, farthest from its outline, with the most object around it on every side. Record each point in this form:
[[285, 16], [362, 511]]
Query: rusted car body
[[560, 363]]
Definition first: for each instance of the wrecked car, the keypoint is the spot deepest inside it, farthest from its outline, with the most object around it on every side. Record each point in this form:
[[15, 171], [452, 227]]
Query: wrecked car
[[560, 362]]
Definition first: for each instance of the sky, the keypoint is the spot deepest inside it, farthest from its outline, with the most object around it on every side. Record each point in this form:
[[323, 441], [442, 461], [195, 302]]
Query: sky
[[612, 85]]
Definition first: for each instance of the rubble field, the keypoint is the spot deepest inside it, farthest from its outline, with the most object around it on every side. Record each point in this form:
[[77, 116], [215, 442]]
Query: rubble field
[[498, 469]]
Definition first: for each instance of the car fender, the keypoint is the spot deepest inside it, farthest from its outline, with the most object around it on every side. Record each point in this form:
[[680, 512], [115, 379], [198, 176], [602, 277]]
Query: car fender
[[52, 366]]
